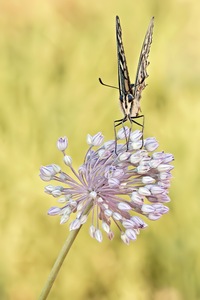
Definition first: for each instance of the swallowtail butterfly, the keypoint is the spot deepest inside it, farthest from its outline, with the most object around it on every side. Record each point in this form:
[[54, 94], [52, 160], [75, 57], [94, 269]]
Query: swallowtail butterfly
[[130, 94]]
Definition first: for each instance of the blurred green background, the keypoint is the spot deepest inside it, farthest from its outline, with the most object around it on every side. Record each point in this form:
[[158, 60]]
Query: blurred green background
[[51, 55]]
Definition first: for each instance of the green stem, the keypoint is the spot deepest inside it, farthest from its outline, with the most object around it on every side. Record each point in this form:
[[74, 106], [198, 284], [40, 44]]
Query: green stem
[[57, 265]]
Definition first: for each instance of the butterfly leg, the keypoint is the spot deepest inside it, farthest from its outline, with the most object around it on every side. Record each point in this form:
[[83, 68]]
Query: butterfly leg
[[142, 125], [143, 119], [117, 123], [129, 136]]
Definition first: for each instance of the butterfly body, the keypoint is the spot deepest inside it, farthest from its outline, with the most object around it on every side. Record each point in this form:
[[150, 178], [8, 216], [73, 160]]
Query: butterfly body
[[130, 93], [130, 108]]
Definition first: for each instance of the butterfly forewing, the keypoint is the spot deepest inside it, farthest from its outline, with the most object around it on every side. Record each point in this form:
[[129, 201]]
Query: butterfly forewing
[[123, 75], [142, 74]]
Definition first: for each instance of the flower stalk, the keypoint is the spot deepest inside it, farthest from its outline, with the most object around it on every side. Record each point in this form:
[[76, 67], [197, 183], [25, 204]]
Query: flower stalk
[[59, 261]]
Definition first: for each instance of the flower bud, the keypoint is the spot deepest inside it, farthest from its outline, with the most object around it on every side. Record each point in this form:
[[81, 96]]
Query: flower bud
[[95, 140], [47, 172], [62, 143], [136, 135], [123, 133], [67, 160], [151, 144]]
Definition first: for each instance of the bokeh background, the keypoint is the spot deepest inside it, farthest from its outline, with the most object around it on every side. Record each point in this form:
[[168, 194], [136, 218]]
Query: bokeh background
[[51, 55]]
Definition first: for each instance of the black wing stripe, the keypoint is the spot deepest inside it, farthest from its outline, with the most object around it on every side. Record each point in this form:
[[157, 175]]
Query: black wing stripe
[[123, 75]]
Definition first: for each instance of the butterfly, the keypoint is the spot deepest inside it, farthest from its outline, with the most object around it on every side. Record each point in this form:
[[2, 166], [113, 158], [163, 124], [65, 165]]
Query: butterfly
[[130, 94]]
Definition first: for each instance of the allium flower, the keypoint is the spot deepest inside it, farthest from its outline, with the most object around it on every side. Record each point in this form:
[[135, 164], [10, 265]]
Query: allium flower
[[115, 185]]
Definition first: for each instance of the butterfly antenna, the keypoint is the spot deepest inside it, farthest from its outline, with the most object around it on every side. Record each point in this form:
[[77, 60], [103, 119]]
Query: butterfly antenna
[[111, 86]]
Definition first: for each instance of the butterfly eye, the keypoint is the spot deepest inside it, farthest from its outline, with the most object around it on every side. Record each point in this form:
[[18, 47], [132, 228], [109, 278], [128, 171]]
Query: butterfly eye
[[130, 97]]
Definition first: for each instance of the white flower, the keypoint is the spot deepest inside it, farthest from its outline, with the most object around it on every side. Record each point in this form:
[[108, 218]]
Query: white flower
[[105, 179]]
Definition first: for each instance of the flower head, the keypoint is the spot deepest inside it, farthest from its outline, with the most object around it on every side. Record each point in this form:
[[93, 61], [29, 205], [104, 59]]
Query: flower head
[[115, 184]]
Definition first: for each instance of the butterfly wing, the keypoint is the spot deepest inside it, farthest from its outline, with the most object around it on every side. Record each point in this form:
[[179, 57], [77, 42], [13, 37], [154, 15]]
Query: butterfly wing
[[125, 87], [142, 74]]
